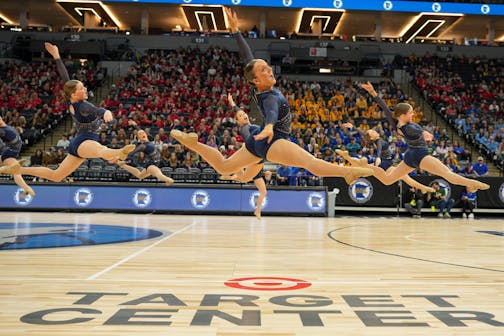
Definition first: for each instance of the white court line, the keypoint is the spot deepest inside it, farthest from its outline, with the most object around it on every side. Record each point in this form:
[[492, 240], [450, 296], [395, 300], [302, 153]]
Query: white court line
[[122, 261], [184, 281], [408, 237]]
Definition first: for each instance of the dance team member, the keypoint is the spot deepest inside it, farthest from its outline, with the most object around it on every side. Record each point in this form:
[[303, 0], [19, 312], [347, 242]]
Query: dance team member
[[10, 147], [152, 155], [88, 120]]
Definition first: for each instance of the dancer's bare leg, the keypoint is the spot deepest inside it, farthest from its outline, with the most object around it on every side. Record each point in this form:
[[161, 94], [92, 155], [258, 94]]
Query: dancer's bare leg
[[389, 177], [261, 186], [66, 167], [91, 149], [133, 171], [412, 183], [18, 178], [289, 154], [156, 172], [362, 162], [434, 166], [242, 158], [244, 175]]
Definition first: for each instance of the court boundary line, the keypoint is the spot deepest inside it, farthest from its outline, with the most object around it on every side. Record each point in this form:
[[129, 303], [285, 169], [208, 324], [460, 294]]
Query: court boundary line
[[137, 253], [329, 234]]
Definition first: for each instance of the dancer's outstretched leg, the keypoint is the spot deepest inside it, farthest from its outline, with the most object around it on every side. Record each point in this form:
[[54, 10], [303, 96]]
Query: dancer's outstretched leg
[[157, 173], [434, 166], [362, 162], [412, 183], [18, 178], [66, 167], [261, 186], [132, 170], [241, 159], [290, 154], [246, 175], [389, 177], [91, 149], [22, 183], [12, 167]]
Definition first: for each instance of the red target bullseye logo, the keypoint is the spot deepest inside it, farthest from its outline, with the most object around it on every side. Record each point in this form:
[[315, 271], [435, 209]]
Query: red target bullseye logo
[[267, 283]]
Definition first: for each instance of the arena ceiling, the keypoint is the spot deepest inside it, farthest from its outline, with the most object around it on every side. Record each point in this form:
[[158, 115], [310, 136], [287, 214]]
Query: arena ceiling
[[166, 17]]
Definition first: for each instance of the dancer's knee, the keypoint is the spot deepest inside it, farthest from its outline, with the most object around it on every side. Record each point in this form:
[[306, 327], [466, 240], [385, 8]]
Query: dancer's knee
[[388, 182]]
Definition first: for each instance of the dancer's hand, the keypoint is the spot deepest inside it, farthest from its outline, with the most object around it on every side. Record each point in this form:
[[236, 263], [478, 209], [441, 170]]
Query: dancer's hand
[[267, 132], [52, 49], [108, 116], [369, 88], [347, 125], [232, 19], [231, 100], [427, 136]]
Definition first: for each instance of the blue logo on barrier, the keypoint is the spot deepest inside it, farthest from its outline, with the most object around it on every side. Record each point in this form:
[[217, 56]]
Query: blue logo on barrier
[[83, 197], [338, 3], [142, 198], [436, 7], [200, 199], [253, 200], [316, 201], [485, 9], [387, 5], [361, 191], [40, 235], [22, 198]]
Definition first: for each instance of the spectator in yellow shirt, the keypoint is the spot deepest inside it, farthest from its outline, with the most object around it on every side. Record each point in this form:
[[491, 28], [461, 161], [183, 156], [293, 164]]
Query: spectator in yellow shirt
[[361, 104], [364, 126]]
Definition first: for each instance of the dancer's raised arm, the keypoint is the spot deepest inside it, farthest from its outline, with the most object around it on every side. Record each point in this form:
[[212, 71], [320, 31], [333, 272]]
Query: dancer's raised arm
[[54, 51], [245, 51], [388, 114]]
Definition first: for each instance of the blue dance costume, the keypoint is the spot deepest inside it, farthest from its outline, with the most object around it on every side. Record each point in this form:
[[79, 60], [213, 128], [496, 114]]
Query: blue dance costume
[[413, 135], [152, 154], [273, 106], [12, 143], [87, 117], [383, 152], [247, 132]]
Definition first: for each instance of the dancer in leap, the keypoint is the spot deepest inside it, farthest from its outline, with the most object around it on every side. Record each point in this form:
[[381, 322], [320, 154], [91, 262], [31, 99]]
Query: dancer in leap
[[272, 142], [417, 155], [88, 120], [153, 155], [10, 147]]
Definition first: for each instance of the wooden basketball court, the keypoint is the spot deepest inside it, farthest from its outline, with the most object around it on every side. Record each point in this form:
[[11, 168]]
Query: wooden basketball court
[[279, 276]]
